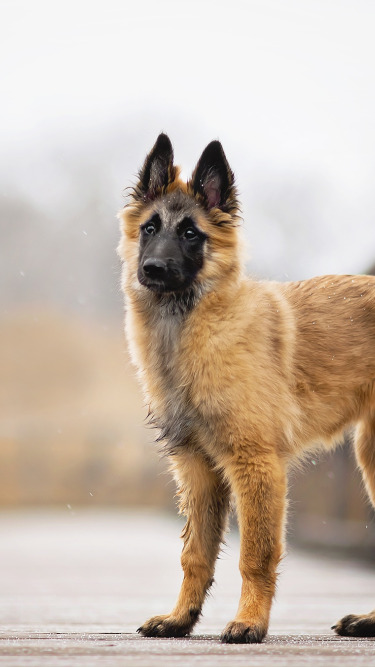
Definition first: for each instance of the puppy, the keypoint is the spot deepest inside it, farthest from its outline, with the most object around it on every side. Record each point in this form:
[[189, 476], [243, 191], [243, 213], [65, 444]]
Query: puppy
[[242, 377]]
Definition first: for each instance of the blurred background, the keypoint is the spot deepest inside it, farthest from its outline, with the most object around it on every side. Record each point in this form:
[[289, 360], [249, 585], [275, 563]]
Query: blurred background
[[86, 87]]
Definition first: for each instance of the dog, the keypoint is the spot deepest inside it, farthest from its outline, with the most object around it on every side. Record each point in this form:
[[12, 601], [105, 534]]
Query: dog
[[242, 378]]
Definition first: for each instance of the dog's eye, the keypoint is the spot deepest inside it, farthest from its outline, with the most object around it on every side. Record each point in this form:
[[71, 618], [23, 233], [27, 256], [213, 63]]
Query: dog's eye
[[149, 228], [190, 234]]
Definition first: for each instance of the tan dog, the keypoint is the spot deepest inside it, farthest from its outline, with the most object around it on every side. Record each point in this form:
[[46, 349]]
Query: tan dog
[[242, 377]]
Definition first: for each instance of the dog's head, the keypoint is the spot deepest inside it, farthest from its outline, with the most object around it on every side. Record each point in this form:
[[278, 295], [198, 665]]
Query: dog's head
[[181, 237]]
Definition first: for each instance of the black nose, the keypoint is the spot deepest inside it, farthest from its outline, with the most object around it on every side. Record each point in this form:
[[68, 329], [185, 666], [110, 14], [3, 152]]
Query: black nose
[[154, 267]]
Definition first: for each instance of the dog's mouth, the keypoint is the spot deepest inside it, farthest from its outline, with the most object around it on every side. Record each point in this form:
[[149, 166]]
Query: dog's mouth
[[164, 286]]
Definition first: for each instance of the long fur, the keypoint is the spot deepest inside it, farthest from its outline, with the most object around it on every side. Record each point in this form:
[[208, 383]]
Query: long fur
[[243, 377]]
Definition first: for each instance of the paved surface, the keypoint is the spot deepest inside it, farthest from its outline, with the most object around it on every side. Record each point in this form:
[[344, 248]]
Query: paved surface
[[74, 585]]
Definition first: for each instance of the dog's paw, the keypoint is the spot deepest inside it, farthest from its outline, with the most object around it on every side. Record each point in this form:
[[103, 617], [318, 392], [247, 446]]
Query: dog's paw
[[241, 633], [356, 626], [165, 626]]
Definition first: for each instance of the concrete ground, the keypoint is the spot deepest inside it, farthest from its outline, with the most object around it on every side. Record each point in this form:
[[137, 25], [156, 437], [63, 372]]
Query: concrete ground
[[75, 584]]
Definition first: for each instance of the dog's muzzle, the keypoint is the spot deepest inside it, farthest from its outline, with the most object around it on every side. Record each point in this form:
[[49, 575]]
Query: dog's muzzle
[[160, 275]]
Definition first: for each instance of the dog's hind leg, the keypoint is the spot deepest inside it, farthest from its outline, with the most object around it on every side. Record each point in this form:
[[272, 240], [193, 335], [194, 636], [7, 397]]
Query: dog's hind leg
[[363, 625], [259, 485], [204, 500]]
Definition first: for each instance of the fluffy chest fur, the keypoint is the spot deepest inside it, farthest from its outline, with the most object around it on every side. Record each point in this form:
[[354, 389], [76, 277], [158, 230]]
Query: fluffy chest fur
[[154, 333], [203, 367]]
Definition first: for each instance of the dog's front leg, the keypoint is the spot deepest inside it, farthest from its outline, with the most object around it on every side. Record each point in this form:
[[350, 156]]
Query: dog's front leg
[[259, 487], [204, 500]]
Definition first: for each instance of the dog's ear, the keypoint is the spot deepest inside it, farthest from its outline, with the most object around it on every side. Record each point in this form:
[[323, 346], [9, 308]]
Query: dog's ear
[[213, 178], [158, 170]]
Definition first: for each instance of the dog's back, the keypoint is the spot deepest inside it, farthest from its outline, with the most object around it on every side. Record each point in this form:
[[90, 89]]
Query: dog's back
[[334, 357]]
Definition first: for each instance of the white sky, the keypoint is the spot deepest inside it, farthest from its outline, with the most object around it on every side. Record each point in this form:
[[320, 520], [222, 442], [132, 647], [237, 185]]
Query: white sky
[[286, 85]]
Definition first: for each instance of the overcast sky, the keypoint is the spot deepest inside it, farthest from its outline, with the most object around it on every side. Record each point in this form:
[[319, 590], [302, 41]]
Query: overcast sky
[[287, 86]]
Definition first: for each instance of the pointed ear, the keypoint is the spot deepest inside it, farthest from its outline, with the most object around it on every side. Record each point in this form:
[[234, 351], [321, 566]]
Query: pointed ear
[[213, 178], [158, 170]]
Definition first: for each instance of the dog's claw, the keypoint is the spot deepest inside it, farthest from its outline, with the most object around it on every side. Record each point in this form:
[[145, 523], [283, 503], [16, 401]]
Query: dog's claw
[[356, 626], [241, 633], [165, 626]]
